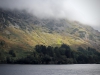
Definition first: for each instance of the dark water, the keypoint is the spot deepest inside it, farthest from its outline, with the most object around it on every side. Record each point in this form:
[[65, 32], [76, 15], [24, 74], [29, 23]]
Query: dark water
[[77, 69]]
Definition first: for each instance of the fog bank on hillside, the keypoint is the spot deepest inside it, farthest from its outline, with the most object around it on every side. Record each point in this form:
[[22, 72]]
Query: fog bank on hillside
[[84, 11]]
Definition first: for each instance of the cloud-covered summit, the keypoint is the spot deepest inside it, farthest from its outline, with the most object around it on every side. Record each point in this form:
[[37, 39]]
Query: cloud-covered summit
[[85, 11]]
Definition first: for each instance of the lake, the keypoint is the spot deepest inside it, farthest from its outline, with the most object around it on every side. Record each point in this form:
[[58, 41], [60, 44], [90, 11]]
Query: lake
[[75, 69]]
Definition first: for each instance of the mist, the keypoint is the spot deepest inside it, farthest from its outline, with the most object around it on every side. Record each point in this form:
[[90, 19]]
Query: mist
[[84, 11]]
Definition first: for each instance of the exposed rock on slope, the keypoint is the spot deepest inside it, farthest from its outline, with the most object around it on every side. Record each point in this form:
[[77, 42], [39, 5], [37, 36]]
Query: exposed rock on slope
[[21, 30]]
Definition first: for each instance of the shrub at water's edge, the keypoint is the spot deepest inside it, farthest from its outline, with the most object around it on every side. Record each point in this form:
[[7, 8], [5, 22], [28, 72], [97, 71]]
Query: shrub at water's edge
[[50, 55]]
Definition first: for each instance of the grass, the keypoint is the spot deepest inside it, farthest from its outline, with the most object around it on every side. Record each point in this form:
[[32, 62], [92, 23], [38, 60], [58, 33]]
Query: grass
[[27, 40]]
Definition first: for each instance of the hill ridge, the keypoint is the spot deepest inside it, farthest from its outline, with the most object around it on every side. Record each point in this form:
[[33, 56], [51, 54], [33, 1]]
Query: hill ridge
[[24, 30]]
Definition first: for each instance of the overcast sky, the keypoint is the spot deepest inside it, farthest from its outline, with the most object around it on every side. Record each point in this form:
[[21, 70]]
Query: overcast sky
[[84, 11]]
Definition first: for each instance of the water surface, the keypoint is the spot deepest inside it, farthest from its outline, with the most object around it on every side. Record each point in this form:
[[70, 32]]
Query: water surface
[[77, 69]]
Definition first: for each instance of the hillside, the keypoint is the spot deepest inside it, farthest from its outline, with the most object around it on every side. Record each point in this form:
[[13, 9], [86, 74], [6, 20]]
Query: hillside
[[21, 30]]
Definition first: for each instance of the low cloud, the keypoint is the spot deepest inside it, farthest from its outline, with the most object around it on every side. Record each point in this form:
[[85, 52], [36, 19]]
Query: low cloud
[[84, 11]]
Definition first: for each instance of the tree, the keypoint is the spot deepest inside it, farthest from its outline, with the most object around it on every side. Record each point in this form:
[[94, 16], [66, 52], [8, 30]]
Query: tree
[[12, 52], [50, 51]]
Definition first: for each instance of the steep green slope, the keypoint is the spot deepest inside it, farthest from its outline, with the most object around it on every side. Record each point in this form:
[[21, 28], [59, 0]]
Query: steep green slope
[[20, 30]]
